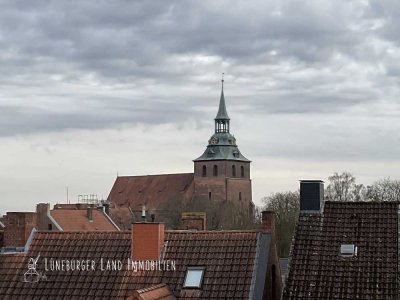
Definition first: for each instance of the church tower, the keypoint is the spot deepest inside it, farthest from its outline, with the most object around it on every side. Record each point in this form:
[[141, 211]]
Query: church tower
[[222, 173]]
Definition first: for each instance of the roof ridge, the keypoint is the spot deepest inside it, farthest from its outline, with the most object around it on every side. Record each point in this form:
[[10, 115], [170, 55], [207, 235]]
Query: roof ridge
[[164, 174]]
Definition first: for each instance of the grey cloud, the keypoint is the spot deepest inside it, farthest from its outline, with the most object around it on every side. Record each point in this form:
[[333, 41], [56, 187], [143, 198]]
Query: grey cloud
[[140, 45]]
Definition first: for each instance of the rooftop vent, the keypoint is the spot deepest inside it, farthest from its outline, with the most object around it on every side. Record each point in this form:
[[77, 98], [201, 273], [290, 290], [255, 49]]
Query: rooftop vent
[[348, 250]]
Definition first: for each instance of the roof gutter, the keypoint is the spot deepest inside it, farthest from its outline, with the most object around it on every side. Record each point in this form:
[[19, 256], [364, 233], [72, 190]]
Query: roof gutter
[[30, 239], [52, 219], [109, 219]]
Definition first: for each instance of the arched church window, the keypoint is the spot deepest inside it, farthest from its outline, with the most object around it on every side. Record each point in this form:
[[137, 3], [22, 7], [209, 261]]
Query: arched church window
[[241, 171], [215, 170], [204, 172], [233, 171], [240, 196]]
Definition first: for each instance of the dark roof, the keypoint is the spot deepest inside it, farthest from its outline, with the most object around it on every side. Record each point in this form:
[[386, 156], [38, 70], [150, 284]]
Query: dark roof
[[229, 258], [151, 190], [318, 271]]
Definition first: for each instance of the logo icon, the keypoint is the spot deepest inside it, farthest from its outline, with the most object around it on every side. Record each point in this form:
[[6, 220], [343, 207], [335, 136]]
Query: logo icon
[[32, 275]]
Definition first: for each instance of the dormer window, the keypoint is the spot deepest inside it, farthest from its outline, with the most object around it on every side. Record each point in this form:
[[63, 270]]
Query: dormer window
[[194, 277]]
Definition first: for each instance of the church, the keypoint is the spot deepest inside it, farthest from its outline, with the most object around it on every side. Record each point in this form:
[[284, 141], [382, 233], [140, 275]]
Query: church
[[221, 175]]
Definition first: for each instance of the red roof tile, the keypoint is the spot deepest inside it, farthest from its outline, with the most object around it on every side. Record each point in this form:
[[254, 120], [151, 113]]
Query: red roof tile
[[151, 190], [77, 220], [156, 292], [228, 258], [319, 271]]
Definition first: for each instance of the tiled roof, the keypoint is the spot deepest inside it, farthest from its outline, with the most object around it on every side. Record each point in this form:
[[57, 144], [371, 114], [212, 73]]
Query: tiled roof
[[76, 220], [151, 190], [228, 258], [319, 271], [156, 292], [10, 273]]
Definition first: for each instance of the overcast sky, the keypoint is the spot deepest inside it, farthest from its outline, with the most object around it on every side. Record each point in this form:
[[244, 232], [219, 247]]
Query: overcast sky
[[90, 89]]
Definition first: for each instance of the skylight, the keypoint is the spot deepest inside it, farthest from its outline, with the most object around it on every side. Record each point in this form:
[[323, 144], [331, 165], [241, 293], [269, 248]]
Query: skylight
[[194, 276], [348, 250]]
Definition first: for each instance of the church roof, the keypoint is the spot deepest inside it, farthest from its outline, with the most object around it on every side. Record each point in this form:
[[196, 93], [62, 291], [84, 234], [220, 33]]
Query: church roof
[[154, 190], [222, 113], [225, 148], [222, 145]]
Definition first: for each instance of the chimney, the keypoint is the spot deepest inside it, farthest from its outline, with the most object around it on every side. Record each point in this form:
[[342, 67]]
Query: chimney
[[143, 213], [193, 221], [89, 213], [268, 221], [107, 208], [311, 196], [147, 241]]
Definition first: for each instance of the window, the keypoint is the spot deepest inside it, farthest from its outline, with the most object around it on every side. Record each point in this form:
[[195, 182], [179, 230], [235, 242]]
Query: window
[[50, 227], [348, 250], [241, 171], [215, 170], [204, 172], [233, 171], [194, 276], [240, 195], [209, 195]]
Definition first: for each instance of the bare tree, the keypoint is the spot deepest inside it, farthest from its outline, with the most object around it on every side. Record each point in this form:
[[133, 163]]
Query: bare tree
[[343, 187], [220, 215], [286, 207], [384, 190]]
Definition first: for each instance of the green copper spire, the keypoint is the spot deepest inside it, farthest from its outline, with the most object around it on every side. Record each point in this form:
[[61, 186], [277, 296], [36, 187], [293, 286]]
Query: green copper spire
[[222, 114], [222, 144]]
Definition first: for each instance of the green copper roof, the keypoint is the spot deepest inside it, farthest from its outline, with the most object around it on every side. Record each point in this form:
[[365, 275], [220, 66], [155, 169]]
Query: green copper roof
[[222, 114], [222, 146]]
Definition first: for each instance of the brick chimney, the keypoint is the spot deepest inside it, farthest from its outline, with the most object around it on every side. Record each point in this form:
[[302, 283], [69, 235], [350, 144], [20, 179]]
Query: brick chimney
[[147, 241], [193, 221], [311, 196], [268, 221], [18, 228]]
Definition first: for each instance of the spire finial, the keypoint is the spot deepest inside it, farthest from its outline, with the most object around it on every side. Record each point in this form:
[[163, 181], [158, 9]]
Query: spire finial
[[222, 80]]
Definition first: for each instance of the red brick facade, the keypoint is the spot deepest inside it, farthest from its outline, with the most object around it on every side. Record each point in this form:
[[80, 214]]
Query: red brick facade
[[223, 181]]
